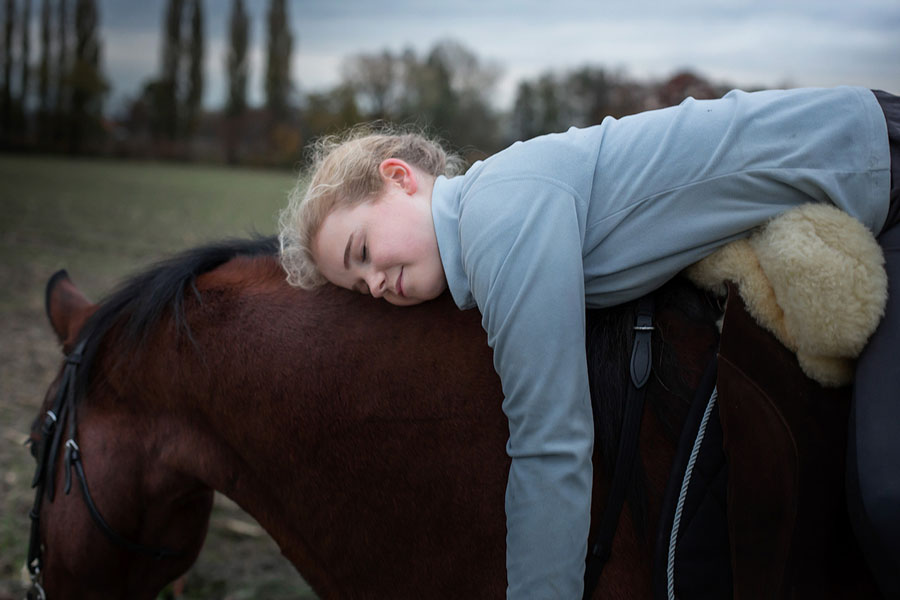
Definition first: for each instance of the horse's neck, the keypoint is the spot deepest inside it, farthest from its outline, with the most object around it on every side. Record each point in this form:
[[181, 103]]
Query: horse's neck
[[238, 445], [326, 420]]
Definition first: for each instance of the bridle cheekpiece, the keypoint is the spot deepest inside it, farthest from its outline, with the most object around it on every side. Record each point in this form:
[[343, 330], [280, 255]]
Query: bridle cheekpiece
[[62, 411]]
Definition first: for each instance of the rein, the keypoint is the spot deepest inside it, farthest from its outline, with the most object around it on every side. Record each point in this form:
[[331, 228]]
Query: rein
[[640, 367], [64, 408]]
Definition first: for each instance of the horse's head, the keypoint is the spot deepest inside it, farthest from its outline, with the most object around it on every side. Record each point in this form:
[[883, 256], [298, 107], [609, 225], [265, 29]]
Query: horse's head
[[96, 534]]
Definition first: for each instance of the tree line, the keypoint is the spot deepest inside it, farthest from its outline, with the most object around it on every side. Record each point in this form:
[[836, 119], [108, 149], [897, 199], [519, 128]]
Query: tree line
[[55, 102], [61, 107]]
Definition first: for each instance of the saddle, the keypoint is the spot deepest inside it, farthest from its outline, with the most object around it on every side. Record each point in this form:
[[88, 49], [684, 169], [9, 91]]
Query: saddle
[[762, 510], [755, 505], [785, 439], [814, 277]]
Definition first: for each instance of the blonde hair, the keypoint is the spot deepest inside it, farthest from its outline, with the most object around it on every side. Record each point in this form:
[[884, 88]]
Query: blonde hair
[[345, 173]]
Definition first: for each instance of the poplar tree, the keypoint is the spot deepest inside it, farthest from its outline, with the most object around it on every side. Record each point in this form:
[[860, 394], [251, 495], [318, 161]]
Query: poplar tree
[[166, 102], [176, 95], [278, 70], [44, 74], [236, 67], [195, 75], [25, 57], [62, 71], [8, 30], [236, 62], [87, 83]]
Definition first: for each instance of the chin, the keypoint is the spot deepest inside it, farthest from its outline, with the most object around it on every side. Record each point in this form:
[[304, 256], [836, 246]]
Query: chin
[[405, 301], [413, 300], [420, 297]]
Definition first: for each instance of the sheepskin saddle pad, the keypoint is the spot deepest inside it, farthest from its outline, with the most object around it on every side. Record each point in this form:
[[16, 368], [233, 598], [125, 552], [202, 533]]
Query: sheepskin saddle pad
[[814, 277]]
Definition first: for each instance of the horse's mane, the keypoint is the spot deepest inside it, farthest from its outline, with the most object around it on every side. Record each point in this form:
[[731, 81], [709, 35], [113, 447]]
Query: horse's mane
[[139, 303]]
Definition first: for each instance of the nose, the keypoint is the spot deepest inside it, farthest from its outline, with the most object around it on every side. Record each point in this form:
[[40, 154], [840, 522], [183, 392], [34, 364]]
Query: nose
[[377, 283]]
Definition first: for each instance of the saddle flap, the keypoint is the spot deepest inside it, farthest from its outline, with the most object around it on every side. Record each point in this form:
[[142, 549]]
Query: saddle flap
[[785, 442]]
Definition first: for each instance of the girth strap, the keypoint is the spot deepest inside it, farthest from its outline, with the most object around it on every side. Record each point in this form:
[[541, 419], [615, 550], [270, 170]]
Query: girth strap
[[641, 363]]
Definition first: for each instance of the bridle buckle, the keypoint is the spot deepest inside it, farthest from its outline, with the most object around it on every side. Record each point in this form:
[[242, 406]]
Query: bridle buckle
[[36, 591]]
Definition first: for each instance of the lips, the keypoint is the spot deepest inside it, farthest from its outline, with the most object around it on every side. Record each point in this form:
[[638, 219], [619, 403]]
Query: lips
[[400, 284]]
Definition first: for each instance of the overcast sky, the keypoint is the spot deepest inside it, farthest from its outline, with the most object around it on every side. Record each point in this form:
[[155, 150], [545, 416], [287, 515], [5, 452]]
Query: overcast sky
[[745, 43]]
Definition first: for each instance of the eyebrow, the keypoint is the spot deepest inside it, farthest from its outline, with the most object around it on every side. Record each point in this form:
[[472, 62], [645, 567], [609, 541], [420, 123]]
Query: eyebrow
[[347, 252]]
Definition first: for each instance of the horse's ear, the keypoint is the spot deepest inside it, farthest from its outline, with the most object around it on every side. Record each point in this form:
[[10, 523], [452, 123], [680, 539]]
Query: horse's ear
[[67, 308]]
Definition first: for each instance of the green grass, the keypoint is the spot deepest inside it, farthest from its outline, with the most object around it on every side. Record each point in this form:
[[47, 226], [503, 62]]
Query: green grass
[[102, 220]]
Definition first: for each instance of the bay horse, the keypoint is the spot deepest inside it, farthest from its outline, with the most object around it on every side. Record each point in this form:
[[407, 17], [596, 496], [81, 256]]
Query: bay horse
[[368, 440]]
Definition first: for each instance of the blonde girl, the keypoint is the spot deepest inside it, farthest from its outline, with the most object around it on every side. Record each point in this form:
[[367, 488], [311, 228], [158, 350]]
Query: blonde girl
[[597, 217]]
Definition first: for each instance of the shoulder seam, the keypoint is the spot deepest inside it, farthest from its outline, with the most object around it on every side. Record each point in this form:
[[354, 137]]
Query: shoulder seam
[[522, 177]]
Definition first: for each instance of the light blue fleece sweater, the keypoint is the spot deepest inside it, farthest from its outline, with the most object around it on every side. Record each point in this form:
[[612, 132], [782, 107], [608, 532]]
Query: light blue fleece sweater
[[603, 215]]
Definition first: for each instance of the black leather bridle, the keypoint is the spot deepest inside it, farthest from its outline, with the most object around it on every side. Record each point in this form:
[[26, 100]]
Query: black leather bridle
[[63, 410]]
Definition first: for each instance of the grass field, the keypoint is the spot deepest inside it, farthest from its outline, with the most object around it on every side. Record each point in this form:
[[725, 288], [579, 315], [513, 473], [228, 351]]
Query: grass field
[[101, 220]]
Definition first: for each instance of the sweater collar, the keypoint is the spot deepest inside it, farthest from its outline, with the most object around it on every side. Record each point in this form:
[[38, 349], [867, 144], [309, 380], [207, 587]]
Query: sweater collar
[[445, 201]]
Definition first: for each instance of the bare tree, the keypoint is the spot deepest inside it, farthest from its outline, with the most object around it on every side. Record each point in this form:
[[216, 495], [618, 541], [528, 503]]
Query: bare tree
[[376, 80]]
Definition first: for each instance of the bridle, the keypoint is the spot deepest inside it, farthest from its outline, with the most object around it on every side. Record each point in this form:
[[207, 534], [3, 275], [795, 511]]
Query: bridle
[[63, 410]]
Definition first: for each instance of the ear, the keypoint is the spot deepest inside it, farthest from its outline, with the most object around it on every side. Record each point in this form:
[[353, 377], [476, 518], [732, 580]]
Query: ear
[[399, 172], [67, 308]]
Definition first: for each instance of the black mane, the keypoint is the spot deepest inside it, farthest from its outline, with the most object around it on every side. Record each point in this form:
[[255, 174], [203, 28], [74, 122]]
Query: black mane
[[140, 302]]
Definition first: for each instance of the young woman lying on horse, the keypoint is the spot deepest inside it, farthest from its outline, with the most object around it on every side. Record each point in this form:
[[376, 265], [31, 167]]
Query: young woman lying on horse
[[597, 217]]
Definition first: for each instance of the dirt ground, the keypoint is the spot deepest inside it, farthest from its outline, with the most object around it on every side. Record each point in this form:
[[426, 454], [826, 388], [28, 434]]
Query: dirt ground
[[86, 216]]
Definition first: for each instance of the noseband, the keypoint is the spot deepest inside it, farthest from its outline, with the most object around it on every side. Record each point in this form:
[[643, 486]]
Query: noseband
[[64, 408]]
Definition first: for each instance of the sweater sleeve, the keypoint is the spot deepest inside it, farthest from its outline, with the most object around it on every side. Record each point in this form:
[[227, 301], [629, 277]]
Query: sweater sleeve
[[521, 250]]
